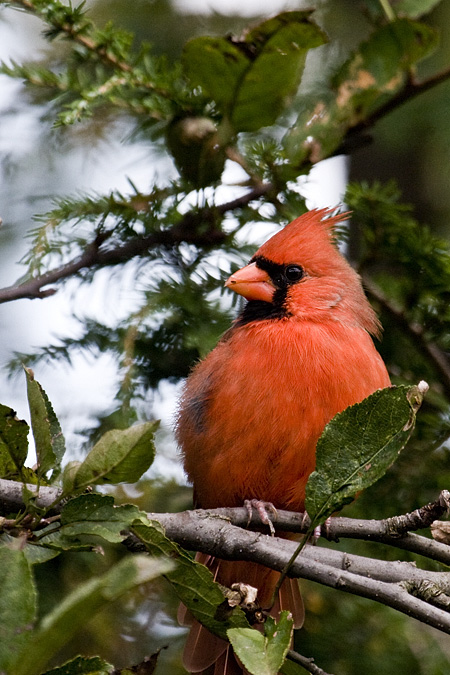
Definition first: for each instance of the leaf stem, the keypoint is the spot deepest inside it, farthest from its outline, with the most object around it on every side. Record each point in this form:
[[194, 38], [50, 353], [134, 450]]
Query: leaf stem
[[291, 561], [390, 14]]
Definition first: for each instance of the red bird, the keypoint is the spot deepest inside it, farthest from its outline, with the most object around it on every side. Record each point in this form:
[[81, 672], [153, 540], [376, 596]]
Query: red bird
[[252, 411]]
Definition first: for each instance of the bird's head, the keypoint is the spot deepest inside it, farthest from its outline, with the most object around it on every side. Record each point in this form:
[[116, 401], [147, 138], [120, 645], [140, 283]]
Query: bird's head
[[300, 273]]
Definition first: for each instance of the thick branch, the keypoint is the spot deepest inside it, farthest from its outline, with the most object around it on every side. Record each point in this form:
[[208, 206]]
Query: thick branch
[[189, 528], [420, 594], [95, 257], [232, 543]]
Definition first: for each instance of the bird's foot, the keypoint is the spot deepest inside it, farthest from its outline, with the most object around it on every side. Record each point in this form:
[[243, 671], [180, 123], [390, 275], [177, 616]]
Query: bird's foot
[[262, 508], [321, 530]]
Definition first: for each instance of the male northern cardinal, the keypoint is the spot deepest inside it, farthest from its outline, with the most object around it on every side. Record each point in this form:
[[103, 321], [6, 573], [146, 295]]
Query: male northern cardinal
[[252, 411]]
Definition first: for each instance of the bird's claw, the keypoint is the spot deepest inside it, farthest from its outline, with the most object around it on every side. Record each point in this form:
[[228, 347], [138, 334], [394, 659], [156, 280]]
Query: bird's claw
[[321, 530], [261, 508]]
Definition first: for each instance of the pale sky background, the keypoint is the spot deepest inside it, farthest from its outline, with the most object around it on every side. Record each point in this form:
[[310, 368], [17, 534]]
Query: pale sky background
[[87, 388]]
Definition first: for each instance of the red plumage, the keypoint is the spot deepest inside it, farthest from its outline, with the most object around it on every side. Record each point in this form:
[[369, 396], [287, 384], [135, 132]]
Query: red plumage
[[253, 409]]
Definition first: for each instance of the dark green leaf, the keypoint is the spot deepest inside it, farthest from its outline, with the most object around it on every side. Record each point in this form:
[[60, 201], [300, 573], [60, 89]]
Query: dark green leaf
[[17, 604], [13, 443], [263, 654], [56, 629], [197, 149], [193, 583], [119, 456], [274, 76], [87, 516], [358, 446], [252, 80], [48, 437]]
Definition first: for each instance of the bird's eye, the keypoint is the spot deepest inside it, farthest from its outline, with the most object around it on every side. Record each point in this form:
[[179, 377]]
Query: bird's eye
[[293, 273]]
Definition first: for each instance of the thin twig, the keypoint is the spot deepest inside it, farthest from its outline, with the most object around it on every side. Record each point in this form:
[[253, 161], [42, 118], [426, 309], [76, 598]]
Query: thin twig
[[307, 663]]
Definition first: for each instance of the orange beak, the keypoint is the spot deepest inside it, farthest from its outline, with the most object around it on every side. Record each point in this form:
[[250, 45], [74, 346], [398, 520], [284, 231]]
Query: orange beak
[[252, 282]]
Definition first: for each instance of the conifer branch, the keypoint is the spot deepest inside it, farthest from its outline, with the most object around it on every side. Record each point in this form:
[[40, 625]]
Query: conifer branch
[[417, 332], [95, 257]]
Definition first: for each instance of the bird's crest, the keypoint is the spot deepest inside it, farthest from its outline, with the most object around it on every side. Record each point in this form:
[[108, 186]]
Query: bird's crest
[[308, 236]]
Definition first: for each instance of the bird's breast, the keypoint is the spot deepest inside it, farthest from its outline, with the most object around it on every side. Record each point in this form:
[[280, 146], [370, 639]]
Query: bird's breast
[[253, 410]]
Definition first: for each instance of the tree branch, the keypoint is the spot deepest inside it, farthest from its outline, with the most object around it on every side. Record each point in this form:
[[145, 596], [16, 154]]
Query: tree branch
[[421, 594], [92, 46], [218, 537], [307, 663], [95, 257], [411, 90]]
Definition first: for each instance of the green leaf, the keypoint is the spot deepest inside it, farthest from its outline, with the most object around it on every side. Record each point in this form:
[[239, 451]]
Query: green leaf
[[13, 443], [197, 149], [121, 455], [263, 654], [87, 516], [253, 79], [48, 437], [414, 8], [83, 665], [375, 72], [68, 476], [193, 583], [358, 446], [34, 553], [17, 604], [58, 627]]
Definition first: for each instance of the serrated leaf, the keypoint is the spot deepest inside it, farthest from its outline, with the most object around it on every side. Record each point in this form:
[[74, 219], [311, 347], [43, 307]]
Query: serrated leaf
[[83, 665], [120, 456], [358, 446], [263, 654], [13, 443], [58, 627], [251, 80], [87, 516], [17, 604], [193, 583], [47, 433]]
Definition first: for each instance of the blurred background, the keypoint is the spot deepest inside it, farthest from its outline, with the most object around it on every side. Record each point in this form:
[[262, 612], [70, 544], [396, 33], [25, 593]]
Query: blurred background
[[39, 163]]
